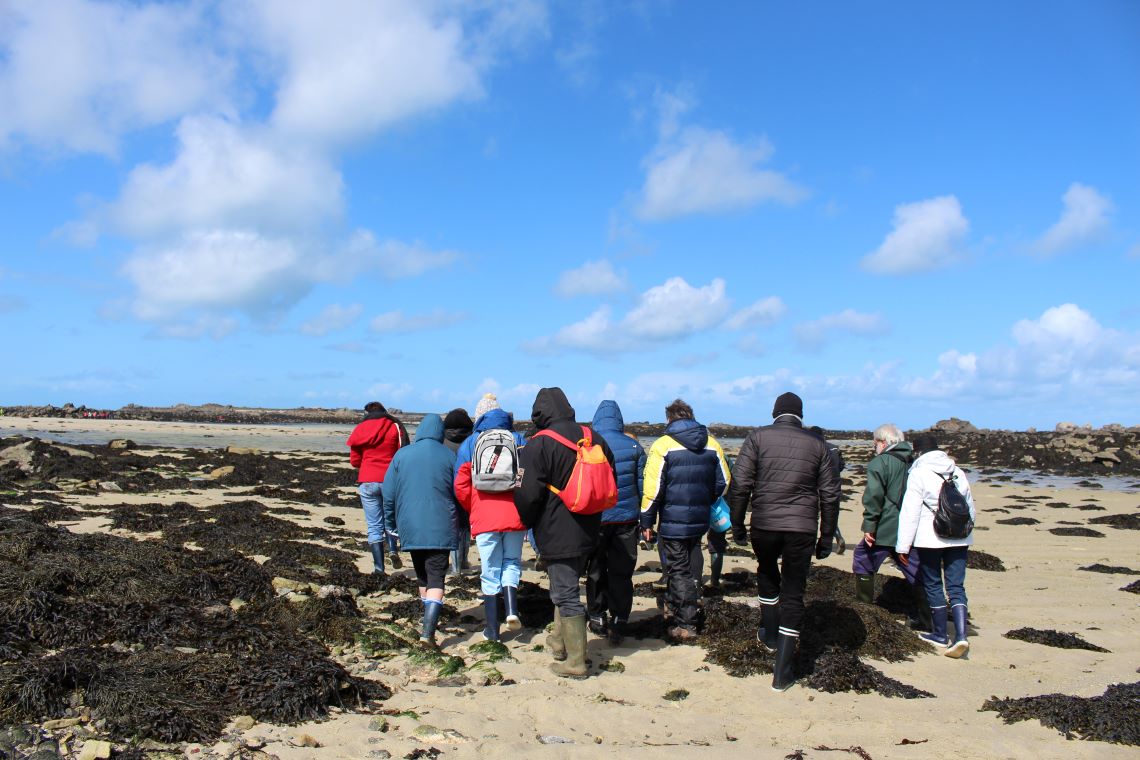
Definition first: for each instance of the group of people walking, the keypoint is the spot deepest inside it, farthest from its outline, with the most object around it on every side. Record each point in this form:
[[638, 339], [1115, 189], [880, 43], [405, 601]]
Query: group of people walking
[[462, 477]]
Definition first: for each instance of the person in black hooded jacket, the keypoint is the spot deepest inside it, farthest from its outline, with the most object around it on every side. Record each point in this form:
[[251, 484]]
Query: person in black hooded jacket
[[567, 539]]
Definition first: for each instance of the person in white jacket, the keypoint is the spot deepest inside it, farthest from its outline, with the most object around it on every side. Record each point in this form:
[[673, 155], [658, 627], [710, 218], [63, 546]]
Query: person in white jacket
[[942, 561]]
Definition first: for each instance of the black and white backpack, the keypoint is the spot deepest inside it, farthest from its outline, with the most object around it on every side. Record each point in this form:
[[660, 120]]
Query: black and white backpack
[[952, 516], [495, 463]]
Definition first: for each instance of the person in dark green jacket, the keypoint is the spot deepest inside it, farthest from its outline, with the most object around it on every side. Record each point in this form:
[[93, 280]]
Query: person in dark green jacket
[[420, 508], [882, 497]]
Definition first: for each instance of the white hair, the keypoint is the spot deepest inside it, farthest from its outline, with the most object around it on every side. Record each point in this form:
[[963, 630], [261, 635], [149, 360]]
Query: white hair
[[889, 434]]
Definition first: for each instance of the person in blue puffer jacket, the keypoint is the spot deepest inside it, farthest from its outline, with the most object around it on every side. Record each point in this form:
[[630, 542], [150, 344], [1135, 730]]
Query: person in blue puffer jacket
[[685, 472], [609, 570], [420, 508]]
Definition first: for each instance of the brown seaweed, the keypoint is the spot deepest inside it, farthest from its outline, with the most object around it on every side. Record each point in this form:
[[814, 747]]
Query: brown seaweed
[[1110, 717], [1052, 638]]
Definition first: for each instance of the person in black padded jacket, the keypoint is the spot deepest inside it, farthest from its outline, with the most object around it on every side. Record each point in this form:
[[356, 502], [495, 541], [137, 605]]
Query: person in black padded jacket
[[567, 539], [785, 475]]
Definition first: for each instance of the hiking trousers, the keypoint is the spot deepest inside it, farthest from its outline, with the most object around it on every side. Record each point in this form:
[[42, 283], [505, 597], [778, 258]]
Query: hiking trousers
[[609, 573], [782, 563]]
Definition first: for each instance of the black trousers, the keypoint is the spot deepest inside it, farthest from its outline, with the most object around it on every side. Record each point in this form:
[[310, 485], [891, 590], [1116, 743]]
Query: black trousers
[[783, 561], [609, 571], [684, 564]]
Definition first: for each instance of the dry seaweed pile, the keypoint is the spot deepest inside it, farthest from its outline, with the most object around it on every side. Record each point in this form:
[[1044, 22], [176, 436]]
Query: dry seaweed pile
[[1132, 588], [1083, 532], [1019, 521], [837, 671], [836, 632], [1052, 638], [1113, 569], [143, 635], [1123, 522], [1112, 717], [979, 560]]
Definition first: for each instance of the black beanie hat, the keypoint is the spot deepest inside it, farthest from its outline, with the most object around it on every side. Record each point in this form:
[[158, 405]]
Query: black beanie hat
[[788, 403], [458, 419]]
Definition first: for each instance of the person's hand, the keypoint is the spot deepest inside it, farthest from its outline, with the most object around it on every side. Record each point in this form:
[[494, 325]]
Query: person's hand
[[823, 547], [869, 539], [647, 534], [904, 559]]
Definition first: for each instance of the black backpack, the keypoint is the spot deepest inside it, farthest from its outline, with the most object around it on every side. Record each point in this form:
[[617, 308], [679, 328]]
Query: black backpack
[[952, 517]]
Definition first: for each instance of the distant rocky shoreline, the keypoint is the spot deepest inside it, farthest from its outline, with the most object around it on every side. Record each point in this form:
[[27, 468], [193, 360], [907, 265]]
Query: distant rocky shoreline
[[1069, 449]]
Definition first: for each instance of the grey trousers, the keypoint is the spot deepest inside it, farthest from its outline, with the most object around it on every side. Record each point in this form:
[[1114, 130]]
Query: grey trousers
[[565, 590]]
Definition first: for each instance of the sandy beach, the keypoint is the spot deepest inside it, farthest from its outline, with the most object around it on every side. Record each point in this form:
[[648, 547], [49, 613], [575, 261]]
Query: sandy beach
[[624, 712]]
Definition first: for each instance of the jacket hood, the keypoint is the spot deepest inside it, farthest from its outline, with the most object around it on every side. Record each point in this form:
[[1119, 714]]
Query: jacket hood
[[431, 428], [608, 417], [903, 447], [550, 405], [938, 461], [689, 433], [496, 419]]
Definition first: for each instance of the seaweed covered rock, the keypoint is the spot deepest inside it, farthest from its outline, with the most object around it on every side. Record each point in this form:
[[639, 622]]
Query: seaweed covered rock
[[1082, 532], [1111, 569], [1122, 522], [1051, 638], [1111, 717]]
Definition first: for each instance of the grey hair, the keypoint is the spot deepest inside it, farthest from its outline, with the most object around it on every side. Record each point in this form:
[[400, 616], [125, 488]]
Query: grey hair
[[889, 434]]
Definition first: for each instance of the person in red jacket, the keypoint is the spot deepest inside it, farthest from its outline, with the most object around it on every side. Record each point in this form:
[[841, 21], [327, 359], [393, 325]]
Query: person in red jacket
[[372, 445]]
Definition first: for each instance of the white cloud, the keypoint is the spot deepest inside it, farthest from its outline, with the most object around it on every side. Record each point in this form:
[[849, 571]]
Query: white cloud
[[347, 71], [764, 312], [204, 325], [398, 322], [1083, 219], [225, 270], [228, 176], [706, 171], [221, 269], [815, 333], [927, 235], [77, 75], [332, 318], [591, 279], [670, 311], [1061, 354]]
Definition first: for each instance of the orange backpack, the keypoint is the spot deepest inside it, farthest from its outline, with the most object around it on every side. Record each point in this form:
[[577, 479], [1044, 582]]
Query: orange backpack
[[591, 487]]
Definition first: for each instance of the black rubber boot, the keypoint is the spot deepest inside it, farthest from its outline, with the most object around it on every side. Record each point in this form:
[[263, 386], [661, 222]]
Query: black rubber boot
[[784, 671], [491, 612], [716, 565], [377, 550], [769, 630], [922, 620], [432, 610], [865, 588], [511, 603]]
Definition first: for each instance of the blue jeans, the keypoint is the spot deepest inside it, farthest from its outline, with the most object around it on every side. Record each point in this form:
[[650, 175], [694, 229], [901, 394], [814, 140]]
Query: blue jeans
[[951, 561], [500, 555], [372, 499]]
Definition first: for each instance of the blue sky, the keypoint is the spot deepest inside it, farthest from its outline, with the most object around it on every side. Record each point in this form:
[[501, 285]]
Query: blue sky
[[901, 211]]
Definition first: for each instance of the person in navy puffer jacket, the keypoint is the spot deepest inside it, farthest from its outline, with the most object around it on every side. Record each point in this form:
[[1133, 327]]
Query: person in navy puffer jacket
[[420, 507], [609, 570], [685, 473]]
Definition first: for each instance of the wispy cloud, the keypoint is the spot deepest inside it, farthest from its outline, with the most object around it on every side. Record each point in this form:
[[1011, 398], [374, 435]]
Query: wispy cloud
[[927, 235], [332, 318], [764, 312], [398, 322], [813, 334], [1085, 218], [591, 279]]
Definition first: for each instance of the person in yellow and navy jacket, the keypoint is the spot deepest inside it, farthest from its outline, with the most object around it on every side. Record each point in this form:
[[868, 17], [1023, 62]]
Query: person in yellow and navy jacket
[[685, 472]]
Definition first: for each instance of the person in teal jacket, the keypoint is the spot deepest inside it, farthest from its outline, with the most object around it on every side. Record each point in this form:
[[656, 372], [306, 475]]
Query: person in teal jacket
[[420, 509]]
